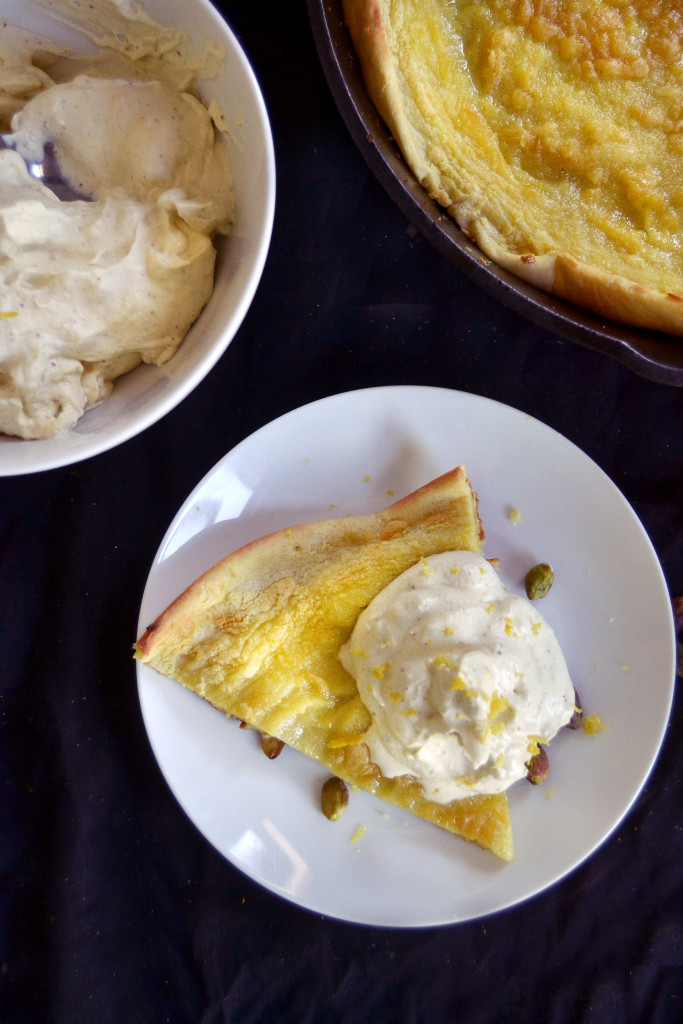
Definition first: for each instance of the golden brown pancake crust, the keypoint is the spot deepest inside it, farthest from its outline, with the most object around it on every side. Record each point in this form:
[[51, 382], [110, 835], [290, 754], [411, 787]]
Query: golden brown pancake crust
[[259, 636], [552, 130]]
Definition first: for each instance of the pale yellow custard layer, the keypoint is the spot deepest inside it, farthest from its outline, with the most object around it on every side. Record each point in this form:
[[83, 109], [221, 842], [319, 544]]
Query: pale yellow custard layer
[[552, 131]]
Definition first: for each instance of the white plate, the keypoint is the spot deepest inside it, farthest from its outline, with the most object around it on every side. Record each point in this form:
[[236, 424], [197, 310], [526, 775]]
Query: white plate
[[357, 452]]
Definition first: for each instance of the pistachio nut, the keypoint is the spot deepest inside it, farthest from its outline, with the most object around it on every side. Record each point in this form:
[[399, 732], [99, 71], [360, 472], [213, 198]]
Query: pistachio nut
[[271, 745], [335, 797], [575, 721], [538, 767], [538, 581]]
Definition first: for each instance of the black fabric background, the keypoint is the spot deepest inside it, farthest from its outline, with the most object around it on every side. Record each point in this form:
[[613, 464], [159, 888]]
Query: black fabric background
[[113, 908]]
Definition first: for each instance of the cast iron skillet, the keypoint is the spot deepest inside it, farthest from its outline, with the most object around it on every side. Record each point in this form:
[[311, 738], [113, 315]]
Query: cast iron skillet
[[649, 353]]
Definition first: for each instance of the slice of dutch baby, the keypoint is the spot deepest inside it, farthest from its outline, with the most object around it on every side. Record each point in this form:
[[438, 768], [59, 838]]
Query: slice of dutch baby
[[259, 634]]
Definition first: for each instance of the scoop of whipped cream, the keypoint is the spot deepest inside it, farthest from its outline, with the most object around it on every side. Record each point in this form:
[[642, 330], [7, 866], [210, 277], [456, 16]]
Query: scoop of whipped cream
[[462, 679], [134, 139], [88, 290]]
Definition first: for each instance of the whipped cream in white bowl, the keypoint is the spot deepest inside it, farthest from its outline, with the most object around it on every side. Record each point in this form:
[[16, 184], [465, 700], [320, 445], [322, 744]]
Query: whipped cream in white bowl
[[227, 87]]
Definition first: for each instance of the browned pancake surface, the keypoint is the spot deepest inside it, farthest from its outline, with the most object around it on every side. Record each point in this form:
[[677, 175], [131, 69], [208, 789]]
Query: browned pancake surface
[[259, 636], [552, 130]]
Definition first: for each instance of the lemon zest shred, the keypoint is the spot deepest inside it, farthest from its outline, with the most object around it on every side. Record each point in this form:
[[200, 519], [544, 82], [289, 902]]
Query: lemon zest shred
[[594, 724], [345, 741], [442, 661]]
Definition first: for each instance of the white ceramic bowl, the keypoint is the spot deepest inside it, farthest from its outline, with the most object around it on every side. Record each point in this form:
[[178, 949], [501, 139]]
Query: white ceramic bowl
[[143, 396]]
